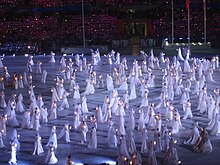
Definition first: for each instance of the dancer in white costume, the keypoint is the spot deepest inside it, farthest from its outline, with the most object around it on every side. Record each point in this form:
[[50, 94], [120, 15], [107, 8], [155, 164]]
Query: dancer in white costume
[[216, 127], [122, 126], [84, 105], [12, 120], [93, 139], [151, 157], [194, 135], [44, 76], [52, 138], [20, 106], [20, 82], [65, 132], [53, 114], [109, 82], [13, 159], [38, 149], [52, 57], [144, 144], [26, 120], [171, 156], [133, 92], [89, 88], [117, 61], [122, 148], [76, 94], [203, 144], [187, 110], [64, 104], [144, 102], [131, 143], [1, 141], [35, 123], [51, 158], [84, 130], [176, 122], [99, 114]]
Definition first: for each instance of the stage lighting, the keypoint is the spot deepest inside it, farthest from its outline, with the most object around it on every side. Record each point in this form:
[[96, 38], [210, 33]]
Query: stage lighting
[[64, 55], [13, 55], [26, 55], [110, 162]]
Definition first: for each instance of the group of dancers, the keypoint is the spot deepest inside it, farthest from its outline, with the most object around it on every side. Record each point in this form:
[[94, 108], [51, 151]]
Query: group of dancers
[[157, 121]]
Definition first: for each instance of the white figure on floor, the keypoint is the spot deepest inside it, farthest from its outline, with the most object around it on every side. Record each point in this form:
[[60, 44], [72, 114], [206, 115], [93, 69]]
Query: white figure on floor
[[133, 92], [176, 122], [1, 141], [36, 120], [20, 82], [131, 124], [12, 120], [84, 130], [144, 102], [76, 123], [38, 149], [52, 138], [14, 137], [13, 159], [3, 121], [187, 110], [216, 127], [99, 114], [141, 122], [203, 144], [51, 158], [44, 115], [52, 57], [53, 114], [89, 88], [194, 135], [76, 94], [20, 106], [151, 159], [44, 76], [144, 144], [26, 120], [117, 60], [112, 135], [171, 156], [131, 142], [109, 82], [122, 148], [64, 104], [93, 139], [84, 105], [2, 100], [65, 132], [122, 126]]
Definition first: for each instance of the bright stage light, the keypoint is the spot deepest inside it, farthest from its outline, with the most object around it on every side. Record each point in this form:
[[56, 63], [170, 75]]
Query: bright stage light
[[110, 162], [13, 55], [64, 55], [26, 55]]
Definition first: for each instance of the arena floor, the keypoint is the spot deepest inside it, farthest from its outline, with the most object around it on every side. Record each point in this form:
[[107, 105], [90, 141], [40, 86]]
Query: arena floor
[[103, 154]]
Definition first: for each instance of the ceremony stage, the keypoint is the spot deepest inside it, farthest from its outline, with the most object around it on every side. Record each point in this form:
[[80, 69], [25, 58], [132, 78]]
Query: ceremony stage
[[103, 154]]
